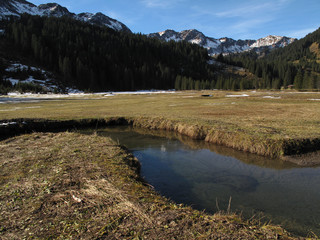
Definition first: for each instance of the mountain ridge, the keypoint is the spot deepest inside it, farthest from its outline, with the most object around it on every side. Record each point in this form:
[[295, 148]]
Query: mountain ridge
[[223, 45], [18, 7], [214, 46]]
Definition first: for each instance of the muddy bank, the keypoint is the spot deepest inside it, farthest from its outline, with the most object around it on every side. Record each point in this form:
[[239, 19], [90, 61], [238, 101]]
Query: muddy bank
[[239, 140]]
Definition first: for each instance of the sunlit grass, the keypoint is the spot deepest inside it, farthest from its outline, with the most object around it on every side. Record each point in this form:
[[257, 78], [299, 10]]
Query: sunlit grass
[[271, 114]]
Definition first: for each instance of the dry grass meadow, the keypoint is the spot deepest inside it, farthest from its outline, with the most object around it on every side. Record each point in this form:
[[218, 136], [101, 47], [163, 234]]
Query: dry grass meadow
[[270, 114]]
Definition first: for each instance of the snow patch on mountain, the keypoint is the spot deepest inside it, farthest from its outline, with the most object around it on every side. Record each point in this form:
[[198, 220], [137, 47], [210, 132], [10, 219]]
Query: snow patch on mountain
[[84, 16], [46, 80], [211, 44]]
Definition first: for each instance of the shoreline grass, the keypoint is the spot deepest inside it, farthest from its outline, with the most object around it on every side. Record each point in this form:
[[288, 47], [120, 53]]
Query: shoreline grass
[[69, 185], [283, 150]]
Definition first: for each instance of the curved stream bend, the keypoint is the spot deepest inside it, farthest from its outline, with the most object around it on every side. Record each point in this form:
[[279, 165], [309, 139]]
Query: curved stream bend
[[206, 176]]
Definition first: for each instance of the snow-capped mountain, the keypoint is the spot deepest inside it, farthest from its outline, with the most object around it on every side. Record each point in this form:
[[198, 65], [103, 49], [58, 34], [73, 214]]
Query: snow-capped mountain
[[214, 46], [17, 7], [54, 10], [273, 41], [102, 20], [223, 45]]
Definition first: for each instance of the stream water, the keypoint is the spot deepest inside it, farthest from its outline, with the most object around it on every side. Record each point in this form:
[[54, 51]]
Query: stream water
[[207, 177]]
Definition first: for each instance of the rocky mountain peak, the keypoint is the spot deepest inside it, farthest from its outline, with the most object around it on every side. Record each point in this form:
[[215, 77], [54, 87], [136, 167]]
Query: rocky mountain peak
[[168, 32], [223, 45], [54, 9], [273, 41], [17, 7], [193, 36], [102, 20]]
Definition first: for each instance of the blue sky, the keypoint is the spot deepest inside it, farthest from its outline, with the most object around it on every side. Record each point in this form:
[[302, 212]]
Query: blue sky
[[247, 19]]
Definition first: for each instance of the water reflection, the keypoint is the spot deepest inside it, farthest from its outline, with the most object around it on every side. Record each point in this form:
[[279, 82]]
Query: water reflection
[[202, 174]]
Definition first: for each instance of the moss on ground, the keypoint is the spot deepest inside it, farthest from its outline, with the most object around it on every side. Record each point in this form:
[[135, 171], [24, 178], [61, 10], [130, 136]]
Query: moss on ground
[[72, 186]]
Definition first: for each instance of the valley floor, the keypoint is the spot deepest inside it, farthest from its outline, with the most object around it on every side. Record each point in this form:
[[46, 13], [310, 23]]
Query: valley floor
[[65, 184], [271, 123]]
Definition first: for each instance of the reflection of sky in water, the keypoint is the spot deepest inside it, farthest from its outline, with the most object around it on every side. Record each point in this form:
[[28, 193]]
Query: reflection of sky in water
[[200, 177]]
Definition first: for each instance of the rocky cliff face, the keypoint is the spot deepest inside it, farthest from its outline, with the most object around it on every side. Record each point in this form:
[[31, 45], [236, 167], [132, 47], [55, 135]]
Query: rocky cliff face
[[17, 7], [223, 45]]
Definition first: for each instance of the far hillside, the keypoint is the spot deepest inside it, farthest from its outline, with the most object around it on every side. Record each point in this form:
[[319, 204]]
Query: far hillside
[[295, 66], [96, 58]]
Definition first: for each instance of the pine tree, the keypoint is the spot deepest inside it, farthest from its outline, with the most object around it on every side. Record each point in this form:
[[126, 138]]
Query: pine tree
[[298, 81]]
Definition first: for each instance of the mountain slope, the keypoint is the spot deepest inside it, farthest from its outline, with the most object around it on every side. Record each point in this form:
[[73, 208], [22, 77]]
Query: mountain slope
[[297, 64], [95, 58], [18, 7], [223, 45]]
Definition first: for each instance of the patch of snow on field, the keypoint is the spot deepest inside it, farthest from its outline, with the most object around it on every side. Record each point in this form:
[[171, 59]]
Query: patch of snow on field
[[109, 95], [218, 104], [314, 99], [242, 95], [16, 97], [142, 92], [8, 123], [271, 97]]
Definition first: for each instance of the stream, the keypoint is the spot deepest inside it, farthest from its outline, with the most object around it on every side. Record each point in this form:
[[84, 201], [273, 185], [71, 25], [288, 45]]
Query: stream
[[209, 177]]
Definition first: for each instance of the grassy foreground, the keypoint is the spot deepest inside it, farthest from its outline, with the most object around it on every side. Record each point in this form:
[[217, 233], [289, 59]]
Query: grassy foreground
[[72, 186], [267, 123]]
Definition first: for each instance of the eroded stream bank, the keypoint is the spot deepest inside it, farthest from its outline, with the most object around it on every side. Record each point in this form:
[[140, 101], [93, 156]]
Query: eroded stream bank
[[205, 176], [285, 149]]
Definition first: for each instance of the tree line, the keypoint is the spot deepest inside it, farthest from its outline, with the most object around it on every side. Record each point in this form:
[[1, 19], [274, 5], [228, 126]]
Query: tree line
[[97, 58]]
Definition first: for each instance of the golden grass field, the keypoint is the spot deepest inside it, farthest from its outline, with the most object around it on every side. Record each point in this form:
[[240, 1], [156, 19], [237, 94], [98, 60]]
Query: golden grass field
[[270, 114], [270, 123]]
